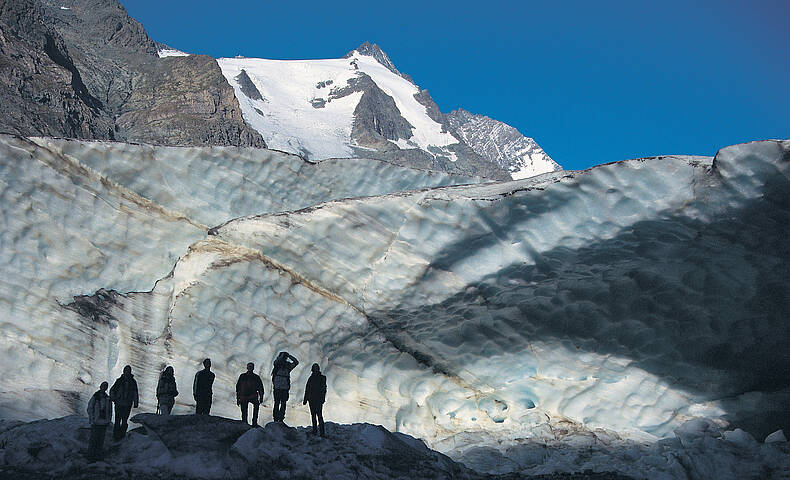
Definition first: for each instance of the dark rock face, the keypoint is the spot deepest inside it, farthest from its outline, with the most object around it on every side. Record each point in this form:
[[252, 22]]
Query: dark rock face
[[377, 118], [467, 163], [430, 107], [90, 71], [41, 90], [105, 44], [184, 101], [96, 307], [206, 433], [247, 86]]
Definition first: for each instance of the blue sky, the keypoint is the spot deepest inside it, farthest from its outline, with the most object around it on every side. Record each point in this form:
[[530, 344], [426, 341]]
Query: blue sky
[[592, 82]]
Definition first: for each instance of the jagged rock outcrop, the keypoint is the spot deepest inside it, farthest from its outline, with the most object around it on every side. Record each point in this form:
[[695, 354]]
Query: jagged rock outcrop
[[41, 90], [209, 447], [378, 120], [466, 163], [90, 71], [485, 147], [184, 101], [247, 86], [376, 117], [500, 143]]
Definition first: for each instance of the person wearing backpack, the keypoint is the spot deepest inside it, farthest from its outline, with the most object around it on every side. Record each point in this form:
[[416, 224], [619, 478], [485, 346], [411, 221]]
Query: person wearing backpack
[[166, 391], [315, 393], [249, 389], [202, 388], [281, 380], [99, 416], [124, 395]]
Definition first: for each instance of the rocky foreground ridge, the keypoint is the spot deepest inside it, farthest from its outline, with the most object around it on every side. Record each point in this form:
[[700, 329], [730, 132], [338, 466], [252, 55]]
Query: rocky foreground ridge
[[208, 447]]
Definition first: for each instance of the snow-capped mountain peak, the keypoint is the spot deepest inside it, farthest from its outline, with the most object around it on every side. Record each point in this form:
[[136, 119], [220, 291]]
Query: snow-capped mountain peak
[[322, 109], [361, 105], [373, 50]]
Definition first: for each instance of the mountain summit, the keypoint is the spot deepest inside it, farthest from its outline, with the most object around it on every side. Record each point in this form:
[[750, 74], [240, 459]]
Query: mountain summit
[[361, 105], [373, 50]]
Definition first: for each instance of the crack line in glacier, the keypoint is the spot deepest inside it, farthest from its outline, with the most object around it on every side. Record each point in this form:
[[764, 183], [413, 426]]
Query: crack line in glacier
[[238, 253], [386, 250], [76, 171]]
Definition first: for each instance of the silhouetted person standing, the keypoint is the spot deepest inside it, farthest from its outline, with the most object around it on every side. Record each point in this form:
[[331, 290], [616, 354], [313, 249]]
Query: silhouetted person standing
[[166, 391], [315, 393], [99, 415], [124, 394], [249, 389], [281, 379], [201, 388]]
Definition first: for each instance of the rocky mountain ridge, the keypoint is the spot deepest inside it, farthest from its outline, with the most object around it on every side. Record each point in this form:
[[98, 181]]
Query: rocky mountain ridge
[[87, 70], [84, 69], [479, 136], [500, 143]]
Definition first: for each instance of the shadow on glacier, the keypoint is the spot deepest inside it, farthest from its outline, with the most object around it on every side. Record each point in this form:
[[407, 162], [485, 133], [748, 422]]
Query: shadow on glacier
[[702, 305]]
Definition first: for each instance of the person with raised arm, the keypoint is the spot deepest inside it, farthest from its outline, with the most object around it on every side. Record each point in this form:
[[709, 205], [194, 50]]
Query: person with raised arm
[[281, 380]]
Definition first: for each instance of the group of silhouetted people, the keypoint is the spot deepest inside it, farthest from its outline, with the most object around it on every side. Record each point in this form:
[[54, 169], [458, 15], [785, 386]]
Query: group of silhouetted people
[[249, 390]]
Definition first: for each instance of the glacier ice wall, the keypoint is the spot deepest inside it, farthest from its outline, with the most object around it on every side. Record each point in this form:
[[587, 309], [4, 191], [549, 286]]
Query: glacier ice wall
[[630, 297], [633, 295], [83, 221], [215, 184]]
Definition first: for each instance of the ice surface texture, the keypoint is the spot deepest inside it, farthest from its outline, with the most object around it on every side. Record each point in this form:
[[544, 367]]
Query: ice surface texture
[[79, 217], [214, 185], [630, 297]]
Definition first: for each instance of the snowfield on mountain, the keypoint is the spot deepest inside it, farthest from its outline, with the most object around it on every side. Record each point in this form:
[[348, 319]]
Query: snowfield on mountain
[[362, 106], [293, 122]]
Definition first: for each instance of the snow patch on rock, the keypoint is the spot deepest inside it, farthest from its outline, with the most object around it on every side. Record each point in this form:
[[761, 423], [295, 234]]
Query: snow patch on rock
[[171, 52]]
